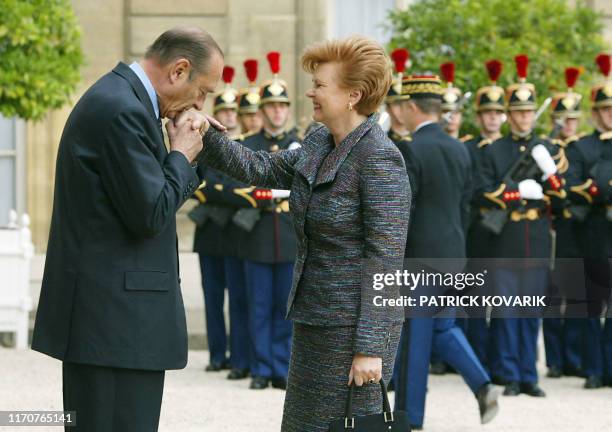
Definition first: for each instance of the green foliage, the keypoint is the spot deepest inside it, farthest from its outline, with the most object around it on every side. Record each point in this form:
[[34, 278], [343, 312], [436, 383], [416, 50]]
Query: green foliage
[[40, 56], [469, 32]]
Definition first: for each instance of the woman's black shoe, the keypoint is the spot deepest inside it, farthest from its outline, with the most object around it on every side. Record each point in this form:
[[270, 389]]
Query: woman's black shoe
[[259, 383], [236, 374]]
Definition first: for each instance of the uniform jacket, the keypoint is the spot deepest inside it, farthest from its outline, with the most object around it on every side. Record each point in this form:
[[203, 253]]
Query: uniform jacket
[[523, 238], [111, 291], [350, 206], [272, 239], [440, 177], [588, 178]]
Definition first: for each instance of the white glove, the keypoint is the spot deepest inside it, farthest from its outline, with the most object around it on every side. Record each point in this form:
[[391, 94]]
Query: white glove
[[280, 193], [530, 189], [544, 160], [294, 145]]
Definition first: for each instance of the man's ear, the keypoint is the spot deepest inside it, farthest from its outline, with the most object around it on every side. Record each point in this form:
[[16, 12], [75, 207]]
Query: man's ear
[[179, 71]]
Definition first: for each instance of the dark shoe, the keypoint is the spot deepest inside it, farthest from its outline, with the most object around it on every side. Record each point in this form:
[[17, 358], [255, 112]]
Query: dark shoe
[[607, 381], [554, 372], [216, 367], [593, 382], [437, 368], [487, 402], [236, 374], [391, 386], [512, 389], [259, 383], [414, 427], [499, 381], [532, 389], [279, 383], [573, 371]]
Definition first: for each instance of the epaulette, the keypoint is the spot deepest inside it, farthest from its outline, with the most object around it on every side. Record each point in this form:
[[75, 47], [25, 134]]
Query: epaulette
[[246, 135], [572, 139], [605, 136], [484, 142], [466, 138]]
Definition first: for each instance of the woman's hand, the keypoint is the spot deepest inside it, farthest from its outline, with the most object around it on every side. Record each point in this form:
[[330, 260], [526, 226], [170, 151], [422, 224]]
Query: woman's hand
[[198, 121], [364, 369]]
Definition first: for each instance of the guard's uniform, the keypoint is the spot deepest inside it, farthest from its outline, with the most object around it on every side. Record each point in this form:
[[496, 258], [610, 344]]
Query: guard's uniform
[[562, 335], [524, 236], [440, 179], [589, 181], [216, 242], [269, 250]]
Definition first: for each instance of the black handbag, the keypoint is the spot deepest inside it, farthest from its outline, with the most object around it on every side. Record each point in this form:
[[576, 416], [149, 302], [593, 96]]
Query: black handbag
[[387, 421]]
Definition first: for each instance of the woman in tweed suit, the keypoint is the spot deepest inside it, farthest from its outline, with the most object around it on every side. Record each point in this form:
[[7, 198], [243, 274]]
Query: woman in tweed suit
[[350, 202]]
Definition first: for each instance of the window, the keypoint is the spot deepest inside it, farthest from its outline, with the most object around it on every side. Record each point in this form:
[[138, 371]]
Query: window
[[12, 167], [364, 17]]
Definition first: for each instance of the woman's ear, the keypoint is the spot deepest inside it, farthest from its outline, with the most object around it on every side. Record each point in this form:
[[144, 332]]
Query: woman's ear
[[354, 96]]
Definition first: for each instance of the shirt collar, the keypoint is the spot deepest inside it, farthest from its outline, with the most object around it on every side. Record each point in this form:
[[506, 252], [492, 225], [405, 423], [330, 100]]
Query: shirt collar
[[146, 82], [422, 125]]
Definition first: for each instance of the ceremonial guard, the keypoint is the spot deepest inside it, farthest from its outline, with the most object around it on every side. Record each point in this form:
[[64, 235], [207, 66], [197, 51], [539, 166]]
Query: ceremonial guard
[[216, 241], [439, 170], [589, 180], [490, 106], [398, 132], [269, 248], [562, 332], [519, 183], [248, 101], [452, 98]]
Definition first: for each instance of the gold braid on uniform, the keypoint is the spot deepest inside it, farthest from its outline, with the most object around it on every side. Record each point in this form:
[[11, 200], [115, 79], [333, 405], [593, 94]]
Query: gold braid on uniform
[[245, 193], [582, 190], [561, 160], [466, 138], [484, 142], [494, 196]]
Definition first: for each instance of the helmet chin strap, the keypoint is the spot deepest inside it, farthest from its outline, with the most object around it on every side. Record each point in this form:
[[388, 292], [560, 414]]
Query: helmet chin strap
[[280, 129]]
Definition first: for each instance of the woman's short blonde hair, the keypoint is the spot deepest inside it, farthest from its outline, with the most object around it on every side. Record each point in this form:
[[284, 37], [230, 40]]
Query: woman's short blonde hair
[[364, 66]]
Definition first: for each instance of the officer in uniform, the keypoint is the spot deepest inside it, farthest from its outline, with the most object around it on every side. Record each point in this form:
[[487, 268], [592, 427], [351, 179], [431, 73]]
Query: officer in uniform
[[562, 336], [440, 177], [589, 180], [490, 106], [269, 249], [398, 132], [523, 197], [248, 101], [216, 239]]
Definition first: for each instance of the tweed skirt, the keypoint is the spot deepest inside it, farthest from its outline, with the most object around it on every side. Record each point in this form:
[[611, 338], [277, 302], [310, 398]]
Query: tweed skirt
[[321, 358]]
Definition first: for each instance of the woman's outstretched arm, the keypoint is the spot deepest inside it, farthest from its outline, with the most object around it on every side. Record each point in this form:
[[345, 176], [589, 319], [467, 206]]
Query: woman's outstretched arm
[[259, 168]]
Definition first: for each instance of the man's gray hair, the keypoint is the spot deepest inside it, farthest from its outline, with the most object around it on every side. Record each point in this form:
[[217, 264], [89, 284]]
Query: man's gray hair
[[191, 43]]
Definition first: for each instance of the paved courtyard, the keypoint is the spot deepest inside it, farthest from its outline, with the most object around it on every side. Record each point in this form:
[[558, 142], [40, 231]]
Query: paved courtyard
[[207, 402]]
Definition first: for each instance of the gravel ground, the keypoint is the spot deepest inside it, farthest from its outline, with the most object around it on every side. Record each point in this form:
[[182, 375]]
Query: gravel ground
[[207, 402]]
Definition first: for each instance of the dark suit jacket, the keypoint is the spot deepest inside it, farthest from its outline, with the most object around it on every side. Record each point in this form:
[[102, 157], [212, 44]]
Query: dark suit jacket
[[110, 292], [350, 206], [439, 169]]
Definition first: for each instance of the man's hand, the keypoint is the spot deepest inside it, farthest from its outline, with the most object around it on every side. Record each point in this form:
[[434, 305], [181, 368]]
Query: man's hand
[[185, 139], [365, 370]]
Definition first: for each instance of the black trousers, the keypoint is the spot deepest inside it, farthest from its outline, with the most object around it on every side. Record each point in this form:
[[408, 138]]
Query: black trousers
[[110, 399]]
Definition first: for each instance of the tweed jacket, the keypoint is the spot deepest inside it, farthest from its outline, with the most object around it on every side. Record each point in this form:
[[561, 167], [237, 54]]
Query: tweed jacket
[[350, 206]]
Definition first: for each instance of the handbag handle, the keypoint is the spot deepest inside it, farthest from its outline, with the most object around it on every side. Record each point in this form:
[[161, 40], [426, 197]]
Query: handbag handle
[[349, 420]]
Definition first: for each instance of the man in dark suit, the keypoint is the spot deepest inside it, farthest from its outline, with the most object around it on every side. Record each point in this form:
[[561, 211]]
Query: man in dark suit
[[110, 306], [439, 170]]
